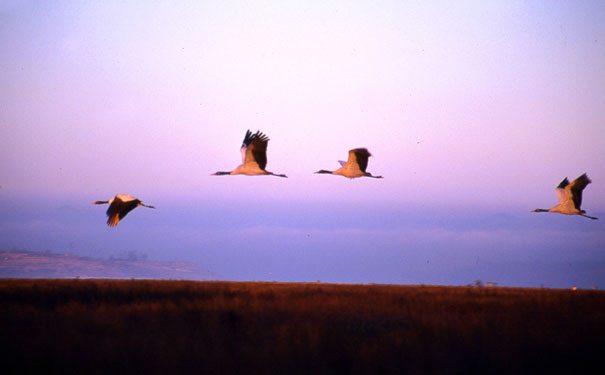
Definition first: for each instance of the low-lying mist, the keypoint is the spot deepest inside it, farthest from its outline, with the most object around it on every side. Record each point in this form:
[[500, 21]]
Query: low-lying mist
[[327, 242]]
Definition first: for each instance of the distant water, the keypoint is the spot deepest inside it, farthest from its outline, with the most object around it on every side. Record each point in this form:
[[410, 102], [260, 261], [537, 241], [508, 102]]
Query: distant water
[[296, 242]]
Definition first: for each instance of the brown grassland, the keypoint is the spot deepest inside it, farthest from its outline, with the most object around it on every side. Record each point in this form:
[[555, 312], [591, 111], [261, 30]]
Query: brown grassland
[[146, 326]]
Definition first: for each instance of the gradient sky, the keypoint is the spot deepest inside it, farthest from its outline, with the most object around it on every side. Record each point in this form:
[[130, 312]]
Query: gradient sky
[[471, 109]]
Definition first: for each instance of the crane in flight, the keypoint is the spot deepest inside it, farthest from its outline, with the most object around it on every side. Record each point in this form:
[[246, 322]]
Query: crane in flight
[[355, 166], [254, 157], [570, 197], [120, 206]]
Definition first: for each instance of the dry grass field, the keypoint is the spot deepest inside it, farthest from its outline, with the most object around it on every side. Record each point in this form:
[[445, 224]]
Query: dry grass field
[[145, 326]]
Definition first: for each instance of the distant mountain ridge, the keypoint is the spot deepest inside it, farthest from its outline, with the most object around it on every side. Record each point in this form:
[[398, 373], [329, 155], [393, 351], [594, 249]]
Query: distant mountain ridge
[[46, 264]]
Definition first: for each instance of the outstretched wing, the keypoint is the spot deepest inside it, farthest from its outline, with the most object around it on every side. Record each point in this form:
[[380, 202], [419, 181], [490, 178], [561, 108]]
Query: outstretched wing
[[256, 150], [361, 155], [576, 188]]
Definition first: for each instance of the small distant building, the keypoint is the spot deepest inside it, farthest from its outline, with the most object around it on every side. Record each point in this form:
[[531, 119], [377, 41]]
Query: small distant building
[[491, 284]]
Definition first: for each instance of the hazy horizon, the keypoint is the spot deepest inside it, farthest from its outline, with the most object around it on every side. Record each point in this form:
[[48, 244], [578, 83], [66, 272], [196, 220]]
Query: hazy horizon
[[326, 242]]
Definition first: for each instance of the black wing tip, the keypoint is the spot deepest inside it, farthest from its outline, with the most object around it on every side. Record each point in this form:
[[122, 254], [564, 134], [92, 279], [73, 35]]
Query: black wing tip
[[581, 182], [260, 136], [361, 150], [563, 183], [249, 137]]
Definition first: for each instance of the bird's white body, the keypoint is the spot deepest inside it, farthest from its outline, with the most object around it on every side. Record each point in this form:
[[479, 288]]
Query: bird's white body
[[249, 169], [566, 205], [123, 198], [350, 170]]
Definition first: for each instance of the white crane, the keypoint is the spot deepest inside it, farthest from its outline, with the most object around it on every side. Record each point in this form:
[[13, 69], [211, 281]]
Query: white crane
[[355, 166], [570, 197], [120, 206], [254, 157]]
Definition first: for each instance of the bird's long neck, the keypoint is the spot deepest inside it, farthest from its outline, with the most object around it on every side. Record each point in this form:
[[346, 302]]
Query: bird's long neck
[[370, 175], [146, 205], [221, 173], [100, 202], [540, 210], [323, 171]]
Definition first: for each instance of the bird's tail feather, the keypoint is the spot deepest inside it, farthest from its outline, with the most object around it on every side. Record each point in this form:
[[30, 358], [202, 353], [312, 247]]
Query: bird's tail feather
[[113, 220]]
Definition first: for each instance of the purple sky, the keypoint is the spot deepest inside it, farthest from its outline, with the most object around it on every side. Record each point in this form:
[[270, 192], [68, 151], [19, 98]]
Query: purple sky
[[469, 108]]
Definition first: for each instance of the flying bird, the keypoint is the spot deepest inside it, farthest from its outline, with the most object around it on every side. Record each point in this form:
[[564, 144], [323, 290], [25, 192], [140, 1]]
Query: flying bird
[[355, 166], [570, 197], [119, 207], [254, 157]]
